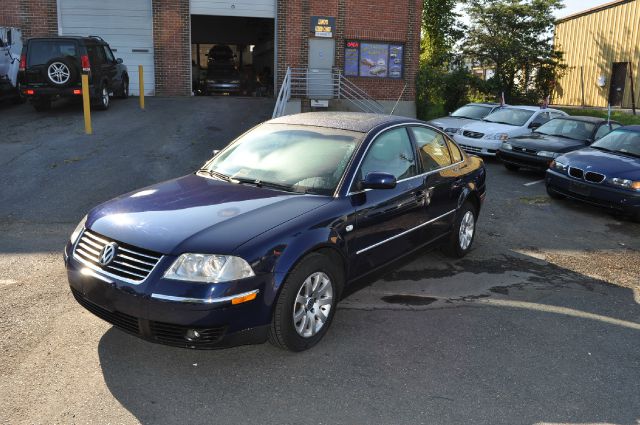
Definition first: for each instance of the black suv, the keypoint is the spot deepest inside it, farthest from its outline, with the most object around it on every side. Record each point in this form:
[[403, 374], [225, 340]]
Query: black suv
[[51, 67]]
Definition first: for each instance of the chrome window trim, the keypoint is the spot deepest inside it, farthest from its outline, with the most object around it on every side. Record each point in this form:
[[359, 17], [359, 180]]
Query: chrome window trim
[[404, 232], [220, 300], [430, 127], [102, 272]]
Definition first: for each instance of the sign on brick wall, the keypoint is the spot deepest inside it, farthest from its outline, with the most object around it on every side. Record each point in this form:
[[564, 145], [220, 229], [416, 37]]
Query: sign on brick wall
[[323, 26]]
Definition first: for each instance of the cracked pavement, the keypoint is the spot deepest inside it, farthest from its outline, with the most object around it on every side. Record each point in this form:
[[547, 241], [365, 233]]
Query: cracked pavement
[[539, 324]]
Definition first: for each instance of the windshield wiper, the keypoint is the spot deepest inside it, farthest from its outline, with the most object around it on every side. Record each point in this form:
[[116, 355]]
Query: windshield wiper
[[566, 137], [260, 183], [216, 174], [501, 122], [602, 149]]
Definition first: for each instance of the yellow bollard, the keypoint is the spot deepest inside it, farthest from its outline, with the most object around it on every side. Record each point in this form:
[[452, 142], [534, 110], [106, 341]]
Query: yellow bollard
[[86, 104], [141, 75]]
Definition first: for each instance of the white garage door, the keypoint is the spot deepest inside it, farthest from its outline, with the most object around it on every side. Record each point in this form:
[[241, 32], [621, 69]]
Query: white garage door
[[127, 26], [253, 9]]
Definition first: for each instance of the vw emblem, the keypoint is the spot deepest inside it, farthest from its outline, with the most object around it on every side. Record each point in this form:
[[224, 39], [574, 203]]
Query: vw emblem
[[107, 254]]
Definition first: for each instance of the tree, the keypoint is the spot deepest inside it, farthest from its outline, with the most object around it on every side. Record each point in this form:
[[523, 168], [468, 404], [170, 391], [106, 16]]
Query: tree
[[515, 38]]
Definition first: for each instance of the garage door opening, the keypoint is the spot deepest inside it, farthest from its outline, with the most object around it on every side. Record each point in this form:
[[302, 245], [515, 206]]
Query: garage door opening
[[232, 55]]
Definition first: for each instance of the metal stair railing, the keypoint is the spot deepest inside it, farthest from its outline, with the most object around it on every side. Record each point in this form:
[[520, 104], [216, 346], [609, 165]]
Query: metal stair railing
[[301, 83]]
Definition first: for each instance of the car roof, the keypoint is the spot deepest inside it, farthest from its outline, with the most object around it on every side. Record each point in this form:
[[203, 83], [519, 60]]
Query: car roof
[[531, 108], [630, 127], [352, 121], [71, 37], [484, 104]]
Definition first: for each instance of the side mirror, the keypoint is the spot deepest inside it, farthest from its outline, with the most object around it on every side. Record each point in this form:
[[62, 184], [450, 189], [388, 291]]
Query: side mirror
[[449, 113], [534, 125], [119, 60], [215, 152], [377, 180]]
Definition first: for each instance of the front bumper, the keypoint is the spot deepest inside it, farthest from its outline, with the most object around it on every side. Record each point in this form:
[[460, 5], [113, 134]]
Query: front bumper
[[524, 159], [181, 308], [219, 87], [484, 147], [600, 195]]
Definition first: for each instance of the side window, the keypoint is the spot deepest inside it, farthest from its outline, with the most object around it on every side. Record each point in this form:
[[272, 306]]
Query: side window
[[392, 153], [108, 54], [432, 147], [456, 155], [604, 130], [96, 55]]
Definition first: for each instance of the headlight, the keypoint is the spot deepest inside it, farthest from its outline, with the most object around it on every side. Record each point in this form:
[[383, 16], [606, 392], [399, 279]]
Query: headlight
[[548, 154], [625, 183], [497, 136], [506, 146], [209, 268], [451, 130], [235, 82], [557, 165], [74, 236]]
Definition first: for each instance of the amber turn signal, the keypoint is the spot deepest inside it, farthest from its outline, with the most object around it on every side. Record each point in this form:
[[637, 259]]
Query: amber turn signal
[[244, 299]]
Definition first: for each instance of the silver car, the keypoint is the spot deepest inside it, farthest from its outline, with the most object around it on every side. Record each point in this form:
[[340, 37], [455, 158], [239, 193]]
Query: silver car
[[464, 115]]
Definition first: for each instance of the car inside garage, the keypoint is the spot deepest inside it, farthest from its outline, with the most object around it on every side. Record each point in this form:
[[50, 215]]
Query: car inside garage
[[232, 55]]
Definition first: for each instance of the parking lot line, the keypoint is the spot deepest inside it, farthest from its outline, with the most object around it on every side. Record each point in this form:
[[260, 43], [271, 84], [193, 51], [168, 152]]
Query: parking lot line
[[532, 183]]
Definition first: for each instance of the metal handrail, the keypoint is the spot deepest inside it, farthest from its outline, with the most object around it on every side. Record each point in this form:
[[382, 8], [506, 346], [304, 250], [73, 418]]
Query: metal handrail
[[296, 84]]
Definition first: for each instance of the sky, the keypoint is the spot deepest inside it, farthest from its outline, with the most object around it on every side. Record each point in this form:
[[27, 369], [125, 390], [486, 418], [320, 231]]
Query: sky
[[574, 6]]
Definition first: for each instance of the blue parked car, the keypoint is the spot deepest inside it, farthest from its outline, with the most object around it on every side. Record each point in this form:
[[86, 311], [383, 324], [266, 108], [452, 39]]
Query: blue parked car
[[606, 174], [261, 242]]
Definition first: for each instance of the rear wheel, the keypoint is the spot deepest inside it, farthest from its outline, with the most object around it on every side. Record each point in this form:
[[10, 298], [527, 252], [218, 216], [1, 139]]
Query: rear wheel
[[307, 303], [463, 232], [553, 194], [102, 101], [511, 167], [42, 104], [61, 72]]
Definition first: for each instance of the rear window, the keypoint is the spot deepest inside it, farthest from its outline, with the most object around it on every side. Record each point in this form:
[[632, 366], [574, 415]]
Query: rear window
[[42, 51]]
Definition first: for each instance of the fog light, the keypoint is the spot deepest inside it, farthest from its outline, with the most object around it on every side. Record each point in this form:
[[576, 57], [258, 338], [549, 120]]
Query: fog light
[[192, 335]]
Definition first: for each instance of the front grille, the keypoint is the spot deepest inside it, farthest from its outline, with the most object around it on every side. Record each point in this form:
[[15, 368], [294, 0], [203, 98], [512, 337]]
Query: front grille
[[130, 262], [471, 149], [523, 150], [576, 173], [592, 177], [177, 335], [120, 320], [473, 134], [589, 176]]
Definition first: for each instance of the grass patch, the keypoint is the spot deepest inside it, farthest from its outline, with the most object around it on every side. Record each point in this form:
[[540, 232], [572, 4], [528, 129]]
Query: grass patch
[[622, 117], [430, 112]]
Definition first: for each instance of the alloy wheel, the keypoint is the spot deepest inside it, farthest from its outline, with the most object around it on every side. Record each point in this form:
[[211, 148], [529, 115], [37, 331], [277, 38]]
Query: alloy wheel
[[312, 305], [59, 73], [467, 227]]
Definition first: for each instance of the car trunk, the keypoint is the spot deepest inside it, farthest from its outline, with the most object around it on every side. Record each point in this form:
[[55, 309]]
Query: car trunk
[[40, 52]]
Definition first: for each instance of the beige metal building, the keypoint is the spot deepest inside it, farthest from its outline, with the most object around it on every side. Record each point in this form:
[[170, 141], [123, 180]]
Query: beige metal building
[[602, 50]]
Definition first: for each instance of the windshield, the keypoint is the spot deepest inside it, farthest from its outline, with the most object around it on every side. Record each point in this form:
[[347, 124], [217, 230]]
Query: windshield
[[510, 116], [623, 141], [572, 129], [474, 112], [291, 157]]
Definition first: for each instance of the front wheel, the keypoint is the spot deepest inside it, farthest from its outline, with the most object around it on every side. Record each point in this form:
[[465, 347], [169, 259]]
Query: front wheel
[[463, 232], [102, 102], [307, 303], [124, 90]]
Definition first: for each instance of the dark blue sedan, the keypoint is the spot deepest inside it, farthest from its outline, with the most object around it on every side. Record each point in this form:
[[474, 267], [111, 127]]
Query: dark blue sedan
[[261, 242], [606, 174]]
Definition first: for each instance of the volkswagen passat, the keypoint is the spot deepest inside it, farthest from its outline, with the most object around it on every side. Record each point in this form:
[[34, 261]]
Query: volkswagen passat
[[260, 243]]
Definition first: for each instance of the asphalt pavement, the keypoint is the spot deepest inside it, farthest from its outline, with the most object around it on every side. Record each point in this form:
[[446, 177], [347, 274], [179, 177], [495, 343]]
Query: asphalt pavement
[[539, 324]]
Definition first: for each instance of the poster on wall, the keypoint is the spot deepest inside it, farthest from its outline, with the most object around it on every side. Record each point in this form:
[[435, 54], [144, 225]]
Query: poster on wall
[[374, 60]]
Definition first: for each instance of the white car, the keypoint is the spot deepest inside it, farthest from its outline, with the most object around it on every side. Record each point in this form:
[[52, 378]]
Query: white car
[[485, 137]]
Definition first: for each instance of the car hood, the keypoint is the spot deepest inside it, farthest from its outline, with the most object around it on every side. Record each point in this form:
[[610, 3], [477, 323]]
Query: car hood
[[493, 128], [450, 122], [197, 214], [543, 142], [609, 164]]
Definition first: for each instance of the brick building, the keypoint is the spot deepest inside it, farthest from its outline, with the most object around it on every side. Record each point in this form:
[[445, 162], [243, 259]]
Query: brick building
[[375, 44]]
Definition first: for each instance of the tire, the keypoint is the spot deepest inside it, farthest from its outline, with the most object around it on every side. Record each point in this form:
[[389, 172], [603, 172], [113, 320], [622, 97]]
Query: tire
[[123, 93], [511, 167], [102, 101], [19, 98], [463, 232], [61, 72], [42, 104], [553, 194], [297, 320]]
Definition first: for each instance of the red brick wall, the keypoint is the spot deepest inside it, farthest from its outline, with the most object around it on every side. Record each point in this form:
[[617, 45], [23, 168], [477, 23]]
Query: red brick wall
[[172, 47], [359, 20], [33, 17]]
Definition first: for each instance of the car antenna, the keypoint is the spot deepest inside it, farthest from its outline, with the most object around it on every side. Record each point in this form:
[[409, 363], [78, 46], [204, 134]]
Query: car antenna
[[398, 101]]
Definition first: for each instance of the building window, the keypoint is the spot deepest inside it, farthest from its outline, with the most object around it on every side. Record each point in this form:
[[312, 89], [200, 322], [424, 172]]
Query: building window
[[373, 59]]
